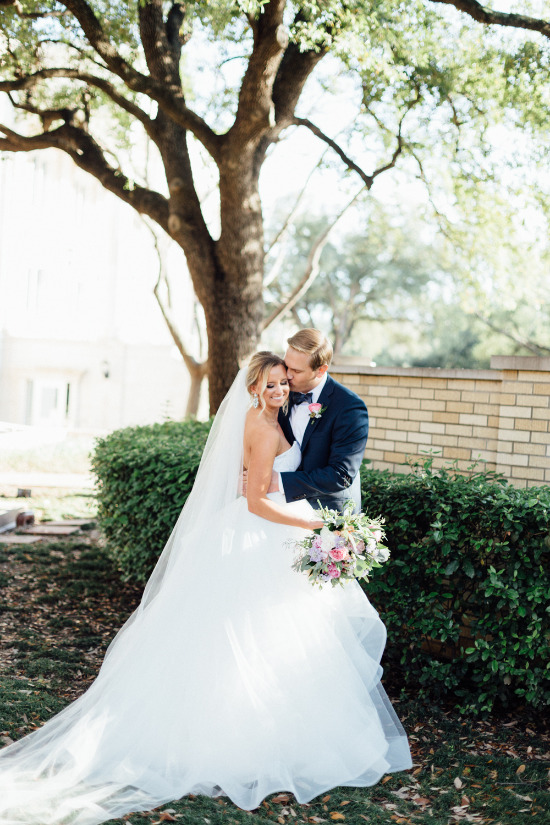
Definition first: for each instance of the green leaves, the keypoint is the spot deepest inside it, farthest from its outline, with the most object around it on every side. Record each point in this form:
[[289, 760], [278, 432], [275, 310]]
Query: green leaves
[[465, 598], [451, 567], [144, 475]]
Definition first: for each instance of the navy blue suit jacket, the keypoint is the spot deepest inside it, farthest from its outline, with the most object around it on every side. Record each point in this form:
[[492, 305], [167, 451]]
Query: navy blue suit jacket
[[332, 450]]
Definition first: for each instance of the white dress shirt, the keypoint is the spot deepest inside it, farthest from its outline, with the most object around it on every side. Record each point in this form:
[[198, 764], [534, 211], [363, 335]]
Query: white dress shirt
[[299, 417]]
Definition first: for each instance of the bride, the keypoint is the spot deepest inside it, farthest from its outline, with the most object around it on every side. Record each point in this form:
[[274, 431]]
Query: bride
[[234, 676]]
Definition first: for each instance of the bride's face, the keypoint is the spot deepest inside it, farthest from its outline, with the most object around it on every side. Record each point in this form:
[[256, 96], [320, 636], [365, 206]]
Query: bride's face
[[276, 392]]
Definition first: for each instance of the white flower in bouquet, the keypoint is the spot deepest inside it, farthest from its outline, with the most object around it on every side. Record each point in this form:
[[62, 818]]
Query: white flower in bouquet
[[328, 539], [381, 555]]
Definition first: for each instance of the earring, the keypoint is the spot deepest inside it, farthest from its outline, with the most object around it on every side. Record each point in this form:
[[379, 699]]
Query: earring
[[255, 400]]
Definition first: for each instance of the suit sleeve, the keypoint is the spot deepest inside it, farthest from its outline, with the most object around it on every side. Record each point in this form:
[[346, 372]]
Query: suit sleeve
[[349, 438]]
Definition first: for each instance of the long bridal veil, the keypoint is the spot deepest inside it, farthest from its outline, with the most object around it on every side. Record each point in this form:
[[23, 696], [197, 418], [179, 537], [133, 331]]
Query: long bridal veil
[[107, 754]]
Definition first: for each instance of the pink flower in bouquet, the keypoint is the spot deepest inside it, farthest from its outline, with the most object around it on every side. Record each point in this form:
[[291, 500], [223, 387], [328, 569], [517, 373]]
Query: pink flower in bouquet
[[376, 532], [338, 553], [360, 545], [333, 571]]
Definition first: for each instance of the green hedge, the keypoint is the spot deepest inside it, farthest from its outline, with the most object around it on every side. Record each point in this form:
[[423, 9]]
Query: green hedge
[[466, 595], [144, 475]]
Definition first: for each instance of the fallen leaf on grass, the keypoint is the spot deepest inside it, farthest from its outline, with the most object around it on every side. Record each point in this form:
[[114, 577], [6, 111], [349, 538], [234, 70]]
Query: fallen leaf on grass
[[520, 769], [166, 816], [281, 797], [458, 783], [421, 800], [465, 801], [326, 798], [336, 815], [405, 791]]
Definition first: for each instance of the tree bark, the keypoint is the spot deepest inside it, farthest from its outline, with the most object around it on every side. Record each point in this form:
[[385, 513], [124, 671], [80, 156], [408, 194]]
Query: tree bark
[[193, 399]]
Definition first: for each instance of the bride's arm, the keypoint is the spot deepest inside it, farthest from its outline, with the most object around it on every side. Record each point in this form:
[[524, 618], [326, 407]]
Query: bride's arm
[[260, 465]]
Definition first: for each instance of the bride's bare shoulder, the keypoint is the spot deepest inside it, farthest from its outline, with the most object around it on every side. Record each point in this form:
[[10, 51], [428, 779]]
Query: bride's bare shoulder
[[258, 430]]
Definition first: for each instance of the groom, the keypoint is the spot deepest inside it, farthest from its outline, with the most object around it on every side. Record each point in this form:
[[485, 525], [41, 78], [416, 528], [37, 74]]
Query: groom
[[332, 434]]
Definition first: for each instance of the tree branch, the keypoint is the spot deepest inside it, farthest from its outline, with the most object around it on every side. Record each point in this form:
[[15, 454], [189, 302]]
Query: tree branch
[[162, 55], [536, 349], [368, 180], [101, 43], [292, 74], [30, 15], [312, 267], [81, 51], [30, 81], [198, 370], [488, 16], [169, 98], [255, 110], [283, 231], [88, 155]]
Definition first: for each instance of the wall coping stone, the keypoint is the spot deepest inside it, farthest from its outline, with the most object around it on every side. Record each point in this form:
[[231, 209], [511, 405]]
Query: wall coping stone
[[346, 368], [520, 362]]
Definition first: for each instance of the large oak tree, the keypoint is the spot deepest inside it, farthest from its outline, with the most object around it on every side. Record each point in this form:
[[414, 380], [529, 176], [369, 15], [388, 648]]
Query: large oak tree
[[63, 60]]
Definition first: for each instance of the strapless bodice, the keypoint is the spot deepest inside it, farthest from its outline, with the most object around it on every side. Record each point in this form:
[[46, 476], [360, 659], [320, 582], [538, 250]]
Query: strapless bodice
[[289, 460]]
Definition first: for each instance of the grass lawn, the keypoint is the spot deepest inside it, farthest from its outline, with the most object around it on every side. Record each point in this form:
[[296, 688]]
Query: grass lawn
[[53, 504], [62, 602]]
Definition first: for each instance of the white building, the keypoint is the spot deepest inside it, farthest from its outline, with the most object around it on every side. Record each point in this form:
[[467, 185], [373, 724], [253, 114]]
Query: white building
[[83, 345]]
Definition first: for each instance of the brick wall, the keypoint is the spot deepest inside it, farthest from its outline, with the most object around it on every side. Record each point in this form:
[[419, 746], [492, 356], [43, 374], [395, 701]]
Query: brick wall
[[500, 415]]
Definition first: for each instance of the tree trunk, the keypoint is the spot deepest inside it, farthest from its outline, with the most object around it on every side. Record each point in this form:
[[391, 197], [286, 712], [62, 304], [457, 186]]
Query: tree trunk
[[234, 306], [232, 327], [196, 373]]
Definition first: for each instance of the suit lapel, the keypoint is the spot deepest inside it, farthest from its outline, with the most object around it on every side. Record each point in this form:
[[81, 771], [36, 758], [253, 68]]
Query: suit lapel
[[326, 392], [284, 421]]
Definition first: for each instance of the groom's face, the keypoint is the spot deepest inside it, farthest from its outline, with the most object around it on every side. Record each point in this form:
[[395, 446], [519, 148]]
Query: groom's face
[[301, 377]]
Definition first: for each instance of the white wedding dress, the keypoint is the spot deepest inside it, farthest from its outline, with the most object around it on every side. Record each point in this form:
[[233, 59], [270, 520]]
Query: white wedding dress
[[234, 677]]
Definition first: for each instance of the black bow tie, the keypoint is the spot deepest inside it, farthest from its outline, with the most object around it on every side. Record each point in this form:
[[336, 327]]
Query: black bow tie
[[300, 397]]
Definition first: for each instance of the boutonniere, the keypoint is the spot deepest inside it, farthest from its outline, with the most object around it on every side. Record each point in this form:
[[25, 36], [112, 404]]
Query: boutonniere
[[315, 411]]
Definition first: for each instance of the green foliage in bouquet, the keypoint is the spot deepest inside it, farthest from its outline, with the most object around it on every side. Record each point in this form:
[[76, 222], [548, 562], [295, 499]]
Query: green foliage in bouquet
[[144, 475], [466, 595]]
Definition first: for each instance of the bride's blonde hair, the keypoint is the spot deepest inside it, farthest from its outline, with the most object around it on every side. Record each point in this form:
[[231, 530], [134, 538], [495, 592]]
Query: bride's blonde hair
[[259, 367]]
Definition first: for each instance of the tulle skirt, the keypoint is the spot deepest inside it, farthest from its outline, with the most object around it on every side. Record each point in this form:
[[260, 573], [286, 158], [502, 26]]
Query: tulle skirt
[[238, 678]]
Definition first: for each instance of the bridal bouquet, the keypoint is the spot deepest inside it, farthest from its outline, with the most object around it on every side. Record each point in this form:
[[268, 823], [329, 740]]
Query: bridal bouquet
[[348, 546]]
